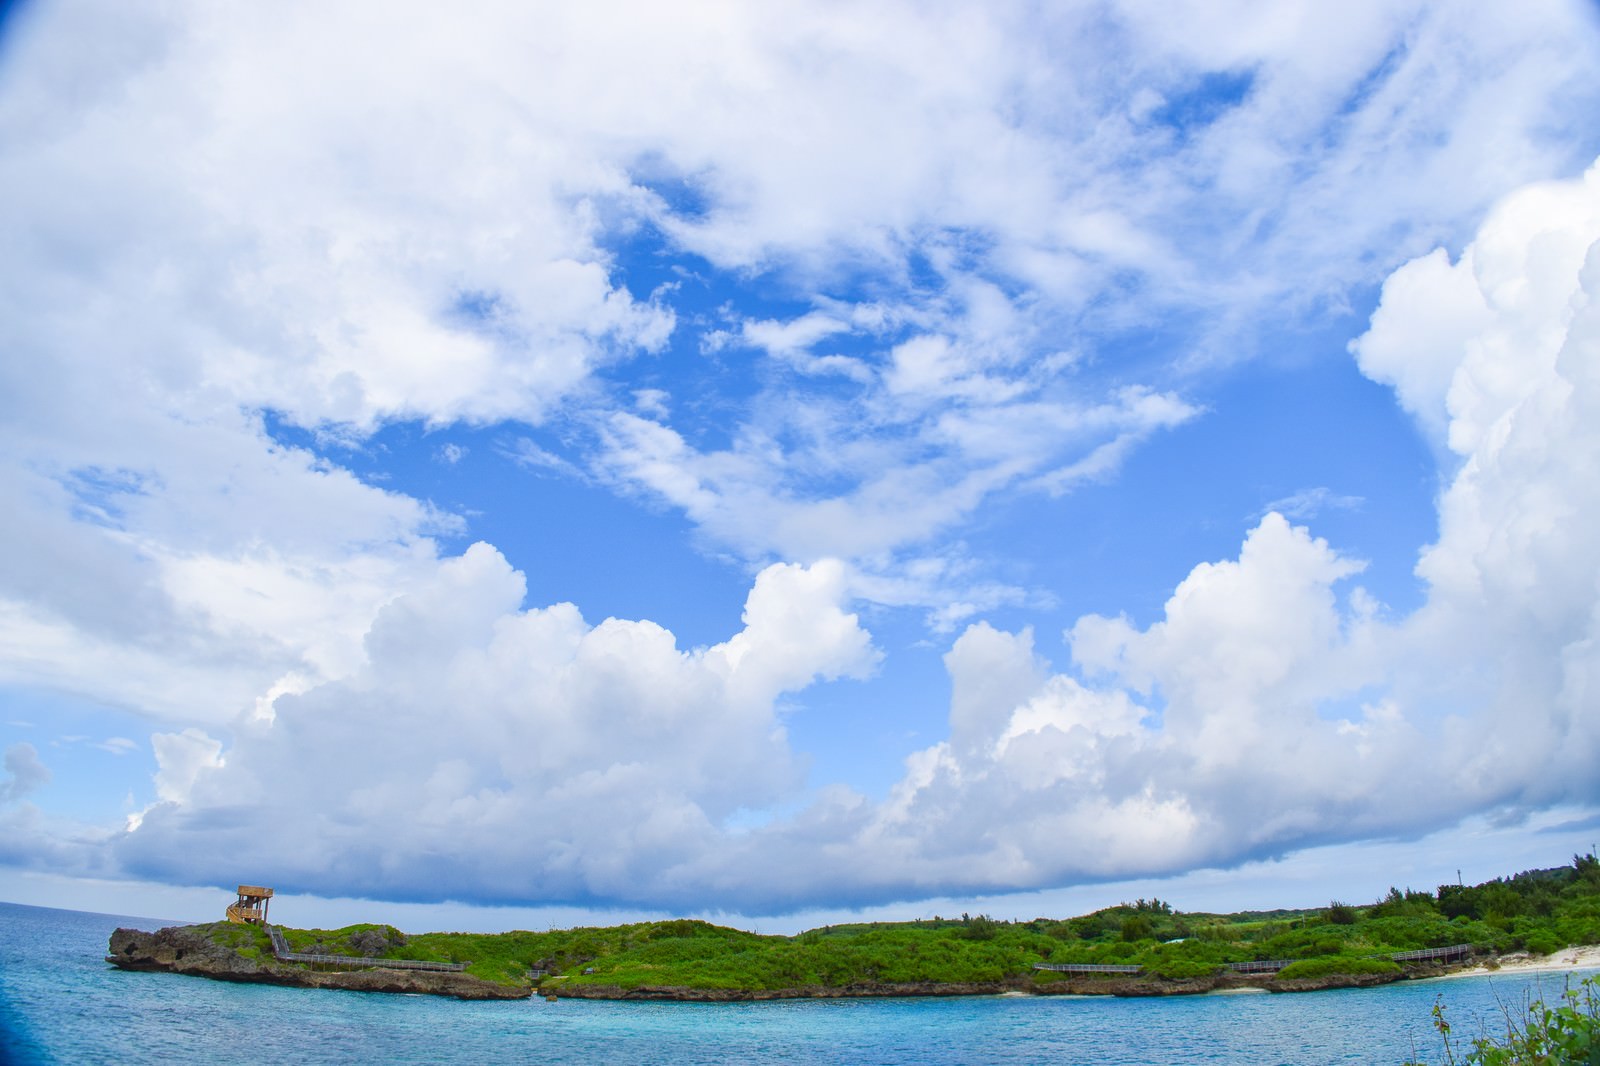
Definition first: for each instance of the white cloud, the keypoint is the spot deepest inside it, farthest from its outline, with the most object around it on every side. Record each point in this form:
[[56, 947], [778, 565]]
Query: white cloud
[[651, 403], [1075, 222], [1307, 504], [792, 341], [215, 564], [362, 219], [182, 758], [220, 214], [488, 752], [24, 772], [1417, 354], [534, 756], [1265, 711], [903, 477], [1209, 719], [949, 585], [1271, 709], [319, 231], [526, 453], [348, 218]]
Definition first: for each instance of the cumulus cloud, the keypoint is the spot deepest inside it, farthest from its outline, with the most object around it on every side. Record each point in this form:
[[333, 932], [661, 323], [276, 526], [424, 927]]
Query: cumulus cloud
[[185, 584], [1271, 707], [195, 235], [487, 752], [1196, 741], [220, 223]]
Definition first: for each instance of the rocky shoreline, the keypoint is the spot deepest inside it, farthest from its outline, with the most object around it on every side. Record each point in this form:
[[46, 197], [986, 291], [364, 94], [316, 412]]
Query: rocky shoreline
[[1088, 986], [863, 990], [187, 950], [183, 950]]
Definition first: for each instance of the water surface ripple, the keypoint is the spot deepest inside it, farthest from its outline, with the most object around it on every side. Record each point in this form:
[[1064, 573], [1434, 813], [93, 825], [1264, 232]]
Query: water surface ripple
[[60, 1002]]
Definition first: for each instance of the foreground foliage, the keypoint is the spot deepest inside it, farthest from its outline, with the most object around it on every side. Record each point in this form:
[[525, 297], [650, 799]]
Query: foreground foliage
[[1540, 911], [1561, 1035]]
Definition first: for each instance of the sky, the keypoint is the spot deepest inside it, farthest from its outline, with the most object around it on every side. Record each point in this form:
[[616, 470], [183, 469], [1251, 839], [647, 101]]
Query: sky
[[787, 463]]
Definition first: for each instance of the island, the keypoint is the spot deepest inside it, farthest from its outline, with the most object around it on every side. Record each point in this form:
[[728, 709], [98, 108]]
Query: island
[[1143, 948]]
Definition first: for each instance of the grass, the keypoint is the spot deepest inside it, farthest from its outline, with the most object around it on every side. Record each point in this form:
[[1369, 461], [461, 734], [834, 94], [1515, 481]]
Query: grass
[[1540, 910]]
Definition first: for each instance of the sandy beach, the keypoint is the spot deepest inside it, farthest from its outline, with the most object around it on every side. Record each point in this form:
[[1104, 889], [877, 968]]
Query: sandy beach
[[1586, 957]]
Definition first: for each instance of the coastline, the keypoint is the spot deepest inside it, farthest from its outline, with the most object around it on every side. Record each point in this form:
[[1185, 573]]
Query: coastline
[[1567, 960], [187, 950], [76, 1008]]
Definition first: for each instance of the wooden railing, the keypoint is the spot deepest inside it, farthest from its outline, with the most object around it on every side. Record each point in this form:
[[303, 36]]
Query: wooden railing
[[1259, 965], [1454, 951]]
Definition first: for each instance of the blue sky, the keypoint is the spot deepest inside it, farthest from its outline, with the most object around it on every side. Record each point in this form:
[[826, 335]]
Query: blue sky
[[552, 465]]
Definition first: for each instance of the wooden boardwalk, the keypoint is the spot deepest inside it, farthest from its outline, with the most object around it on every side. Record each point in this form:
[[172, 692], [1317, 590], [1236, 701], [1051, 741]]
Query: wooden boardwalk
[[280, 949], [1267, 966], [1454, 951], [1259, 965]]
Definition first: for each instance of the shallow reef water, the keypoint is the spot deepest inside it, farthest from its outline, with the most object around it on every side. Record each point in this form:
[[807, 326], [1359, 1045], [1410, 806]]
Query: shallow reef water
[[61, 1003]]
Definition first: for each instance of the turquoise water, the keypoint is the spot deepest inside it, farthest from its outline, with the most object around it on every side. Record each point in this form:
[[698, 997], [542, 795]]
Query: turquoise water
[[60, 1002]]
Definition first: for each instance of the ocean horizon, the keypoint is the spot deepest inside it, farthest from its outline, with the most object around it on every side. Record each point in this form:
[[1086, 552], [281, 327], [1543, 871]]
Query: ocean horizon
[[60, 1002], [800, 467]]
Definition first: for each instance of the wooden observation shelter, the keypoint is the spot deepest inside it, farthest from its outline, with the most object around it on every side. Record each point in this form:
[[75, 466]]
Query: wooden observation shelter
[[251, 907]]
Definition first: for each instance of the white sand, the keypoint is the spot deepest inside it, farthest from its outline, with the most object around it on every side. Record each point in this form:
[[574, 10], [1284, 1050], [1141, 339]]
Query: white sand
[[1578, 958]]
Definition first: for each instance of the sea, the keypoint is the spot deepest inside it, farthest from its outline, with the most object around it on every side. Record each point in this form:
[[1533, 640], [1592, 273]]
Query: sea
[[61, 1003]]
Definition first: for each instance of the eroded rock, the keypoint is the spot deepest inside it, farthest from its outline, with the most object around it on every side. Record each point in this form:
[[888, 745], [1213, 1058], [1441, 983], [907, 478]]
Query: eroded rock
[[194, 950]]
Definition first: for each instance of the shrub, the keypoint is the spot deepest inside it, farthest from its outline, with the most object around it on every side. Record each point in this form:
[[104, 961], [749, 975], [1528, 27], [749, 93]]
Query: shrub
[[1543, 943], [1180, 969], [982, 927], [1136, 927], [1341, 914], [1088, 926], [1335, 964]]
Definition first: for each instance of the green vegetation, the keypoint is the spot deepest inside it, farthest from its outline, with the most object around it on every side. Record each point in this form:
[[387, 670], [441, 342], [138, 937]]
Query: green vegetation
[[250, 941], [1541, 910], [1332, 964], [1567, 1033], [1341, 913]]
